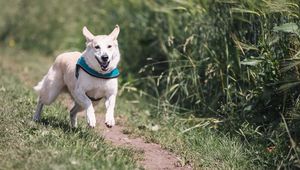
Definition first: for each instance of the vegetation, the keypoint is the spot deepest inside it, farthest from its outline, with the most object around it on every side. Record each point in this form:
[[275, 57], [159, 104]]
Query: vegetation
[[228, 66]]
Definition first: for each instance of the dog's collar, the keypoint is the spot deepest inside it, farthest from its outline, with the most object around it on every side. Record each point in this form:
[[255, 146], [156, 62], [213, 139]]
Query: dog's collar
[[83, 65]]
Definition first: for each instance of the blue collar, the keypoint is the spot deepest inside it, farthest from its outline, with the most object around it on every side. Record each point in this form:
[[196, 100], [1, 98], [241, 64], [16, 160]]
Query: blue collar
[[83, 65]]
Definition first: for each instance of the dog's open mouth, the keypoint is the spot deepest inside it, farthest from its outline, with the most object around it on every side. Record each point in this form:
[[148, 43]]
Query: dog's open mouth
[[103, 65]]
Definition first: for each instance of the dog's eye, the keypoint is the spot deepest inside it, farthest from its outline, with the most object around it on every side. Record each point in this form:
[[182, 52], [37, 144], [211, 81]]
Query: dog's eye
[[97, 47], [109, 46]]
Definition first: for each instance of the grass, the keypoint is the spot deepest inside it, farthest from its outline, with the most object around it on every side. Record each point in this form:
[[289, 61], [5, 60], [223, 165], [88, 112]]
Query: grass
[[202, 147], [205, 144], [51, 144]]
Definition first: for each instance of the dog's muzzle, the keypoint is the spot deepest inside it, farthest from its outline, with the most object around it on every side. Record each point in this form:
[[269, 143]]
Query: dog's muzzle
[[104, 63]]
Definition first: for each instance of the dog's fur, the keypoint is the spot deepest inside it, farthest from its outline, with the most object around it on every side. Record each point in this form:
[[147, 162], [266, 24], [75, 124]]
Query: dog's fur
[[61, 76]]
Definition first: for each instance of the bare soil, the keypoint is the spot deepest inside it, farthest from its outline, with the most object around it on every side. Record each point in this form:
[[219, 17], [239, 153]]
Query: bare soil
[[155, 157]]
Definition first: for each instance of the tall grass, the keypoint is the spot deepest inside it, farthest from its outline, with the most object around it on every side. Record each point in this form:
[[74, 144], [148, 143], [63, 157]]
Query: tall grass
[[225, 60], [232, 60]]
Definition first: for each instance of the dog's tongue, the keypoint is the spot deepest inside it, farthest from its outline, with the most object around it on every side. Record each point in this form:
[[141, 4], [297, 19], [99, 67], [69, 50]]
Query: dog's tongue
[[104, 66]]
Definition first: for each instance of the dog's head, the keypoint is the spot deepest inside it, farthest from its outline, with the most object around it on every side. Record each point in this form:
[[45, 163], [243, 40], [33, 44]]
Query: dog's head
[[102, 51]]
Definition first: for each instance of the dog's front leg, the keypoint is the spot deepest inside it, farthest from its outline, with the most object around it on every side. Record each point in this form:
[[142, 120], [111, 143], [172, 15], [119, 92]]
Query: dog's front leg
[[87, 104], [110, 106]]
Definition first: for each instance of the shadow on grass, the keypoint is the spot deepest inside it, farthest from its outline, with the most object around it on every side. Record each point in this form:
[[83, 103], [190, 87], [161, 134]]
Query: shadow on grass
[[58, 123]]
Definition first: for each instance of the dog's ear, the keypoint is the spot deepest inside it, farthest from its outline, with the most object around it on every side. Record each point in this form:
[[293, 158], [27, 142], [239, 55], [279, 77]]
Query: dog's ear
[[88, 35], [114, 34]]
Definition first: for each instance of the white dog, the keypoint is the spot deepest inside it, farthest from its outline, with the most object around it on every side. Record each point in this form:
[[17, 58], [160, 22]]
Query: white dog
[[87, 76]]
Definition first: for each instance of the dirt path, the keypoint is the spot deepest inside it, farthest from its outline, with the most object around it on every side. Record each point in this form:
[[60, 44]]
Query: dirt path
[[155, 158]]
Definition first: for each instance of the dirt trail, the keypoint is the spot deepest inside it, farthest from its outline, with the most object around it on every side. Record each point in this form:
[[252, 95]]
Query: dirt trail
[[155, 158]]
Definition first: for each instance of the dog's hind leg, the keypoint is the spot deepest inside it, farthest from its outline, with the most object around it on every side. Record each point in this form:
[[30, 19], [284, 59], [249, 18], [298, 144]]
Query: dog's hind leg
[[38, 111], [51, 85], [73, 114], [48, 89]]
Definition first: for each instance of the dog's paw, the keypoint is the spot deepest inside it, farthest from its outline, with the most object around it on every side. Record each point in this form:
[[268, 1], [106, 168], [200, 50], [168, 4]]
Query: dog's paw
[[110, 122], [91, 119], [36, 118], [73, 123], [92, 123], [92, 127]]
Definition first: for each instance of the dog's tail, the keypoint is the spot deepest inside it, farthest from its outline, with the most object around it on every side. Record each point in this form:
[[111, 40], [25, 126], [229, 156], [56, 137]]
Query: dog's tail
[[39, 86]]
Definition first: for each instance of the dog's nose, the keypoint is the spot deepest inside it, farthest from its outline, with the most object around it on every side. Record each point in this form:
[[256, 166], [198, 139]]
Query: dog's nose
[[104, 58]]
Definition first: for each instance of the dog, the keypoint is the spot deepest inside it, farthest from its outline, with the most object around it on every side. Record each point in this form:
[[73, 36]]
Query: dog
[[87, 77]]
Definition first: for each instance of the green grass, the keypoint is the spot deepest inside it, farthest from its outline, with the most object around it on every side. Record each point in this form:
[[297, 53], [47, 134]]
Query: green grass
[[202, 147], [205, 144], [50, 144]]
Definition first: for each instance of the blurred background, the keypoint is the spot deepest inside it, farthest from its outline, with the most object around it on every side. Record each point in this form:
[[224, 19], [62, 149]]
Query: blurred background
[[235, 61]]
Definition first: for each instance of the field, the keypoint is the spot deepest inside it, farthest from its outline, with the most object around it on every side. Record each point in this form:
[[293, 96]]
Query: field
[[214, 82]]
